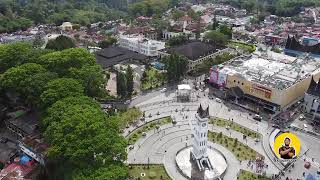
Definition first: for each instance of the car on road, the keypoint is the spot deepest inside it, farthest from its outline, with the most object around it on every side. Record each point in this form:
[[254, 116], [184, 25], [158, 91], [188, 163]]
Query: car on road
[[305, 126], [301, 117], [218, 100], [257, 117], [131, 147], [163, 90], [200, 90]]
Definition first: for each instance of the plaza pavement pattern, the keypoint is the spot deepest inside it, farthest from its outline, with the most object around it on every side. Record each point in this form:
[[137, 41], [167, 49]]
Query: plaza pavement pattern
[[160, 146]]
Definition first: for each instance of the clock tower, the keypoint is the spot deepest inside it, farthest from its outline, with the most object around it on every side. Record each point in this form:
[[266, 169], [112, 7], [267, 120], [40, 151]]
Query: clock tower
[[200, 134]]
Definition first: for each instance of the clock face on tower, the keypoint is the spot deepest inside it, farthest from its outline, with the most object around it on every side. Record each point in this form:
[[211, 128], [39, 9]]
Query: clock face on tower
[[204, 125]]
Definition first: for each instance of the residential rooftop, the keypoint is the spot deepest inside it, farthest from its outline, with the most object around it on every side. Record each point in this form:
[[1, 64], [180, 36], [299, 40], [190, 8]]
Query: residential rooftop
[[272, 69]]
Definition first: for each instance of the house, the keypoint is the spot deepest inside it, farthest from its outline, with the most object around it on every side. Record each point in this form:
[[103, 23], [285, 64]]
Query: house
[[311, 103], [66, 26], [140, 44], [23, 123]]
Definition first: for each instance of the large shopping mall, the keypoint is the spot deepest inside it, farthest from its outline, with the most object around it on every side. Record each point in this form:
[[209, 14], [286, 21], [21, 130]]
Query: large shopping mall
[[273, 80]]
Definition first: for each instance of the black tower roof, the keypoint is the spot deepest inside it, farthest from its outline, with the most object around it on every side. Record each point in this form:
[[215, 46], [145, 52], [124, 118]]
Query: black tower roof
[[314, 88], [203, 113]]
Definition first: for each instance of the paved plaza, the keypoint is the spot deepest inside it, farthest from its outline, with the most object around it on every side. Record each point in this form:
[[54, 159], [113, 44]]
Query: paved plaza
[[161, 146]]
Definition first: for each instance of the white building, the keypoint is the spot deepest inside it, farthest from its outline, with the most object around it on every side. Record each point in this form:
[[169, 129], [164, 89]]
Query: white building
[[200, 133], [140, 44]]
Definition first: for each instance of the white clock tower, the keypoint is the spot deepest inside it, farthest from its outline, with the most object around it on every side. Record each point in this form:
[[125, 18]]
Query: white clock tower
[[200, 133]]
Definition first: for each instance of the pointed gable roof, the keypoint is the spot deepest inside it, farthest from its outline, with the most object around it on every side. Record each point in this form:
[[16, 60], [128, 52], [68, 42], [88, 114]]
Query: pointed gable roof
[[314, 88], [203, 113]]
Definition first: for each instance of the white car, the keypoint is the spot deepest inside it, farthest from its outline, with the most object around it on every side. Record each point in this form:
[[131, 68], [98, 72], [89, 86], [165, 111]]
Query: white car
[[164, 90], [305, 126], [301, 117], [218, 100]]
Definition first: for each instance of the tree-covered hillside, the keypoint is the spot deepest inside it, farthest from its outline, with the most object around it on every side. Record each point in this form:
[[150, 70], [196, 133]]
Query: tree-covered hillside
[[21, 14]]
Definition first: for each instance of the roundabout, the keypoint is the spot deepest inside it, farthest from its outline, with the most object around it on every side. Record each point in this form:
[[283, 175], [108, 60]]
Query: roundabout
[[163, 145]]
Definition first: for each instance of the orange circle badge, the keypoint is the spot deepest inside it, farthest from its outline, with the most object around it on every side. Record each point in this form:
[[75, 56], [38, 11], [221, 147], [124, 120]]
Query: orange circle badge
[[286, 146]]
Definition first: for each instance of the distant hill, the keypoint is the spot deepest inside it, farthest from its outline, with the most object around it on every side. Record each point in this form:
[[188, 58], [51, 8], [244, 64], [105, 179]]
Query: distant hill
[[21, 14]]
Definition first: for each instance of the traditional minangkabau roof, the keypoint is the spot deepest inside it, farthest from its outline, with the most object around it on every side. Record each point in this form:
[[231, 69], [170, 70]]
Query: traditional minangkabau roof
[[314, 88], [293, 44], [203, 113]]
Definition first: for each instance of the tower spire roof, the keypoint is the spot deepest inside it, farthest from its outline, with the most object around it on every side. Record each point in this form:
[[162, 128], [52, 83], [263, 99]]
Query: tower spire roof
[[203, 113]]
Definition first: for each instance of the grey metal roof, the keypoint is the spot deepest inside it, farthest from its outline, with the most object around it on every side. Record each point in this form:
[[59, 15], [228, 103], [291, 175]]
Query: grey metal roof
[[110, 56]]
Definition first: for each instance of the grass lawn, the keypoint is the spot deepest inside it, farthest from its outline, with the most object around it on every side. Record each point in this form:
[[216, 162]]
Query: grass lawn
[[246, 175], [246, 47], [136, 134], [234, 126], [155, 172], [153, 79], [240, 150], [128, 117]]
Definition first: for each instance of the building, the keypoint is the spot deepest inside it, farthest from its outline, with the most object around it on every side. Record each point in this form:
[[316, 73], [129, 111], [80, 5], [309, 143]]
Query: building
[[195, 52], [23, 124], [273, 81], [311, 103], [66, 26], [200, 133], [294, 48], [138, 43], [184, 92], [111, 56]]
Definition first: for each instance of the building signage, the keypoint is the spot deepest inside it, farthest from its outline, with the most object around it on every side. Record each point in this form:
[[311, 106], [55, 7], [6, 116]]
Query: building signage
[[262, 90]]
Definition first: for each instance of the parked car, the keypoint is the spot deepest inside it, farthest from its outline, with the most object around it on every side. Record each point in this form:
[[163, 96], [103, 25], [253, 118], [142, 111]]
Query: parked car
[[257, 117], [218, 100], [301, 117], [163, 90], [305, 126]]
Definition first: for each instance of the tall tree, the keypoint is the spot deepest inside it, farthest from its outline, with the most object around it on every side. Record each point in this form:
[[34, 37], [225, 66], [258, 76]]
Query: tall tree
[[92, 79], [60, 43], [27, 80], [129, 80], [216, 38], [17, 54], [60, 88], [121, 85], [107, 42], [61, 62], [176, 66]]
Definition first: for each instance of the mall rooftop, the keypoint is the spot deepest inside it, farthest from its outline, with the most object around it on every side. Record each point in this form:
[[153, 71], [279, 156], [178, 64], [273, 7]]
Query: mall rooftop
[[272, 69]]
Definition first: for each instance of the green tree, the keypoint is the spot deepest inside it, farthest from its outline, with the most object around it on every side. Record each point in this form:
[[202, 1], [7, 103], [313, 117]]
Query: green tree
[[17, 54], [226, 30], [121, 85], [108, 42], [178, 40], [92, 79], [216, 38], [62, 62], [176, 66], [38, 41], [27, 80], [60, 43], [176, 14], [60, 88], [129, 80], [84, 135], [116, 172]]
